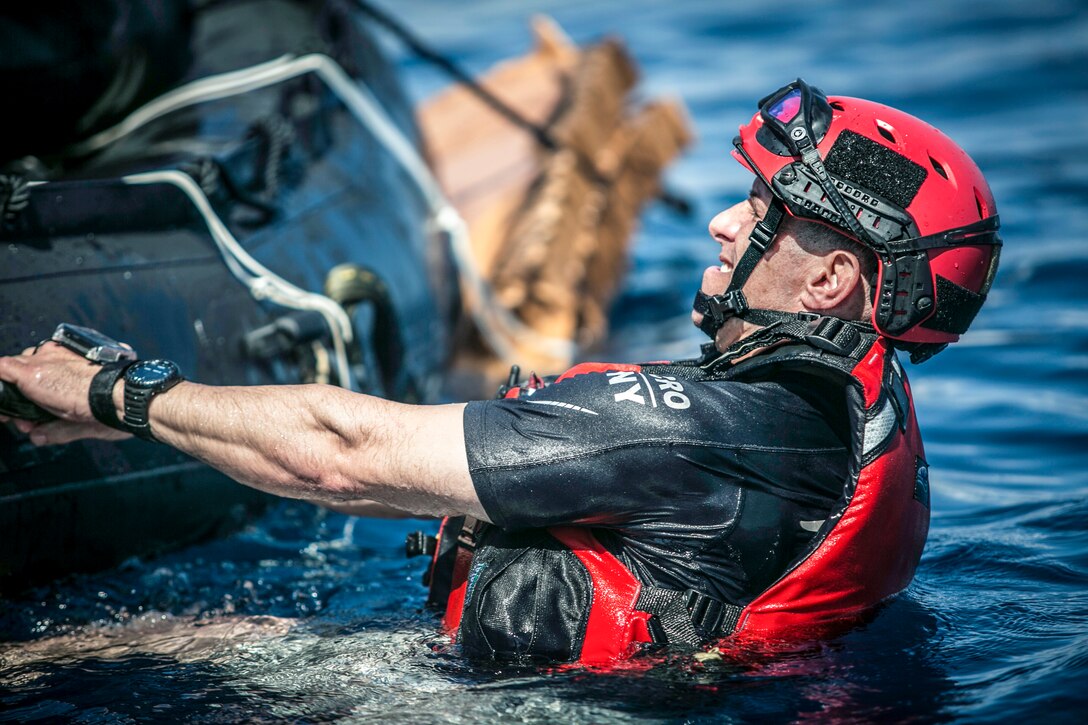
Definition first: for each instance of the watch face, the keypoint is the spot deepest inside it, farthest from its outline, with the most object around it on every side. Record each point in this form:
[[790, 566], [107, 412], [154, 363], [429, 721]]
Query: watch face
[[150, 373]]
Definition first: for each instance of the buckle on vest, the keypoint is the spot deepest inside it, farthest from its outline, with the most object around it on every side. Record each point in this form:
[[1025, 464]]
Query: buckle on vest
[[418, 543], [466, 537], [711, 617], [833, 335]]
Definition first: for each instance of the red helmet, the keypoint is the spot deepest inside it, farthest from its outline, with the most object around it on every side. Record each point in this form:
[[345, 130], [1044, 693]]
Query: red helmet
[[899, 187]]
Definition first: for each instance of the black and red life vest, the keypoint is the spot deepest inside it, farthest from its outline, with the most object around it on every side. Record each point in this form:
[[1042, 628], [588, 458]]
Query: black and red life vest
[[598, 612]]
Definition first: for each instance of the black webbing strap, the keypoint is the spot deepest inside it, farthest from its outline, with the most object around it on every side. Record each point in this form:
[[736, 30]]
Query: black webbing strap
[[981, 232], [688, 617], [832, 334], [761, 237], [100, 395], [805, 146], [716, 309]]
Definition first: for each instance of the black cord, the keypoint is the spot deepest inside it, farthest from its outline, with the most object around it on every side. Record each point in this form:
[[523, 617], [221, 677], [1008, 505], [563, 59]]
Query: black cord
[[544, 137], [417, 46]]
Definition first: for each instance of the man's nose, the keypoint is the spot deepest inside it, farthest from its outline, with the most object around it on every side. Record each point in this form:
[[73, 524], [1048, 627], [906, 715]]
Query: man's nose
[[725, 226]]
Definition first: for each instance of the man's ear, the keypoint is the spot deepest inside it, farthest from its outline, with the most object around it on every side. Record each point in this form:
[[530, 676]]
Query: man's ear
[[832, 282]]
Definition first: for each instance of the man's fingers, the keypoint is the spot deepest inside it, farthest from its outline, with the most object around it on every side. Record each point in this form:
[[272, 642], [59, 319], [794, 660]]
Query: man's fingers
[[10, 367]]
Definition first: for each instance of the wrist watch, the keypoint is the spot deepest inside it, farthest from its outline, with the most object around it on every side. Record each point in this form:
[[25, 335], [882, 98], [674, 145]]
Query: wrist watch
[[143, 381]]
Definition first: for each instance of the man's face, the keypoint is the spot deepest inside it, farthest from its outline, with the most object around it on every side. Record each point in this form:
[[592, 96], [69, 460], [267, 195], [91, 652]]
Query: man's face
[[775, 282]]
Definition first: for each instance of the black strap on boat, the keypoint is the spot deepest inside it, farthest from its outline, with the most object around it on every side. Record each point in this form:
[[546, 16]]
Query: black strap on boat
[[688, 617], [417, 46], [277, 134], [223, 178]]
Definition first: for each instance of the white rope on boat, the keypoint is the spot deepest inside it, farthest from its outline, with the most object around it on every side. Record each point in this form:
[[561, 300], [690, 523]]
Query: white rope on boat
[[263, 283], [497, 324]]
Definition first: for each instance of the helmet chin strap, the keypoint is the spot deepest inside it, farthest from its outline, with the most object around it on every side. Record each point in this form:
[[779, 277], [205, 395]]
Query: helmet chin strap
[[832, 334], [716, 309]]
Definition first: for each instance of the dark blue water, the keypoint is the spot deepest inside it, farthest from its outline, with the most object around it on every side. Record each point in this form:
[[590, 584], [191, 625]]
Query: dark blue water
[[310, 616]]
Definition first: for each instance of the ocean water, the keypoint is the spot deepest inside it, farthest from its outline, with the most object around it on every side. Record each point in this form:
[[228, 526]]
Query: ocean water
[[308, 616]]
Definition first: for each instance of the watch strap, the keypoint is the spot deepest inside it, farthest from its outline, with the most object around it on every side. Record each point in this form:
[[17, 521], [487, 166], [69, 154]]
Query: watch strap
[[100, 396], [137, 419]]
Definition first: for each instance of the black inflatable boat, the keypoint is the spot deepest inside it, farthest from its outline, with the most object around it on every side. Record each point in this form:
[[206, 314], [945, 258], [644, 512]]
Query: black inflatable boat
[[267, 219]]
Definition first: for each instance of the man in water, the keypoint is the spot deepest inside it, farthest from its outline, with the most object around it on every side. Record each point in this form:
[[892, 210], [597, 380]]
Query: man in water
[[773, 488]]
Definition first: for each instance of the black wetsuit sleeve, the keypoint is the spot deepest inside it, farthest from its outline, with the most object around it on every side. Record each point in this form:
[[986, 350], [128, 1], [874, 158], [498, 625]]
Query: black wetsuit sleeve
[[631, 450]]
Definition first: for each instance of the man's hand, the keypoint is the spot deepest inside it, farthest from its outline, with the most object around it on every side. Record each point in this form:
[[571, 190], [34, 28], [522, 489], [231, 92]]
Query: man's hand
[[59, 381]]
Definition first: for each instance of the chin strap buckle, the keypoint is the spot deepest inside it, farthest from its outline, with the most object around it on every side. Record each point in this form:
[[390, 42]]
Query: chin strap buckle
[[716, 309], [731, 304]]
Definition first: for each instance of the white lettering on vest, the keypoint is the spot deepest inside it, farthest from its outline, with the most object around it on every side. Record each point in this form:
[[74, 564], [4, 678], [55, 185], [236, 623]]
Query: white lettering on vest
[[676, 401], [664, 383], [618, 378], [631, 394], [673, 392]]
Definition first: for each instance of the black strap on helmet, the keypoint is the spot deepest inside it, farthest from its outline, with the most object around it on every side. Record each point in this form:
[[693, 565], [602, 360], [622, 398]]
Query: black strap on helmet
[[800, 138], [980, 232], [716, 309], [907, 295]]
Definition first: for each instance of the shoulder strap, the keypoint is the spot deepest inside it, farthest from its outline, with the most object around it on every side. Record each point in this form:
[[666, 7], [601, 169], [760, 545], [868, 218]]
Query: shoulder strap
[[843, 339]]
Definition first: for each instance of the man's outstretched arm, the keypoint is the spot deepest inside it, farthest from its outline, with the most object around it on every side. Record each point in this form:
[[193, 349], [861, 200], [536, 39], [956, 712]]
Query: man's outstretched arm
[[306, 441]]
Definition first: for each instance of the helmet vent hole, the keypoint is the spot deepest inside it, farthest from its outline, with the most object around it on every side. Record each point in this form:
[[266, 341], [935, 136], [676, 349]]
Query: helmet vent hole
[[837, 106], [938, 167], [983, 209], [885, 130]]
